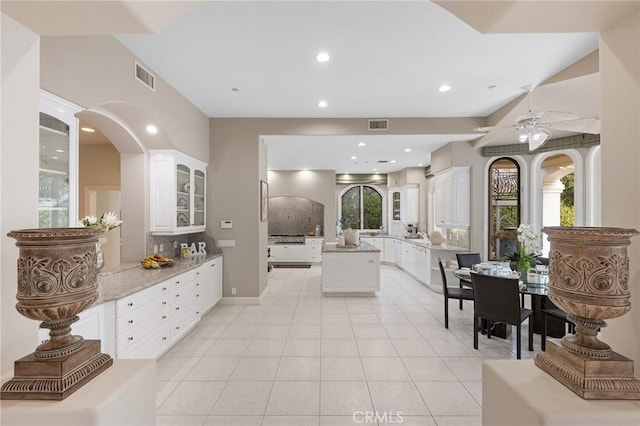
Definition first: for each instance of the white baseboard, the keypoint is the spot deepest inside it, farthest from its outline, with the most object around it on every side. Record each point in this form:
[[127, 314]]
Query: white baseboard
[[241, 300]]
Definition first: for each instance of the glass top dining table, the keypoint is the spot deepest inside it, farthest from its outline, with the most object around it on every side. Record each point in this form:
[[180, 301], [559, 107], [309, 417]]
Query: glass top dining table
[[532, 283]]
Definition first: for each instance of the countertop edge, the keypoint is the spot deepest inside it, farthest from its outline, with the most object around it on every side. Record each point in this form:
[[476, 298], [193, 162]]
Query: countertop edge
[[132, 278]]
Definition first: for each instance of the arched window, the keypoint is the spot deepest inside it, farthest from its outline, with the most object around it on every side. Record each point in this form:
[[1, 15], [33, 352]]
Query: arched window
[[361, 207], [504, 207]]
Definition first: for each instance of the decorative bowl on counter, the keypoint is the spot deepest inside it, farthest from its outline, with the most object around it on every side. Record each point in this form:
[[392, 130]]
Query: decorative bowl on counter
[[156, 261]]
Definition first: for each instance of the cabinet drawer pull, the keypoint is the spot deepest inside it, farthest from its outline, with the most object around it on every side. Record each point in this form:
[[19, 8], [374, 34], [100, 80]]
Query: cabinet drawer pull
[[197, 284], [164, 303], [130, 321], [177, 281], [197, 273], [130, 338], [164, 317], [164, 338], [130, 304], [177, 295], [177, 308], [164, 289], [177, 327], [197, 295]]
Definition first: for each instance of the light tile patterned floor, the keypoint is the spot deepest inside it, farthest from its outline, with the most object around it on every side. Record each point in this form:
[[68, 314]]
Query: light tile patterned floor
[[303, 359]]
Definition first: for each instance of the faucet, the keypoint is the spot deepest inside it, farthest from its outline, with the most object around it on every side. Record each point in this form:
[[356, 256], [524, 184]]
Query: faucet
[[422, 235]]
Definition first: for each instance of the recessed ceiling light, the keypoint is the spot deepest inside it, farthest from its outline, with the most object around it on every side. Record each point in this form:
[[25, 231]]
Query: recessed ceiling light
[[54, 158], [322, 104], [59, 150], [152, 129], [444, 88], [353, 157], [323, 57], [393, 161], [407, 150], [361, 144], [87, 129], [420, 164], [60, 110], [375, 170]]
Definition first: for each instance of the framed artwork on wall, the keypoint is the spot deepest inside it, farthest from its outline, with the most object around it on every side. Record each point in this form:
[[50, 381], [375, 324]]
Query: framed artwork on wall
[[264, 200]]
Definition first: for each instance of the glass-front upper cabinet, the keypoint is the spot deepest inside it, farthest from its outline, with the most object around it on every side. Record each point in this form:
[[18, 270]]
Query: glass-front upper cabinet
[[178, 191], [58, 165]]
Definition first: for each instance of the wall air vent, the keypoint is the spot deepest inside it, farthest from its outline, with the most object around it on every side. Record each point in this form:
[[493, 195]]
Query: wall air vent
[[378, 124], [145, 77]]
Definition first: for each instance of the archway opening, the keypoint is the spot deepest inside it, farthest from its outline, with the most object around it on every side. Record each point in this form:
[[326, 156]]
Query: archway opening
[[558, 194]]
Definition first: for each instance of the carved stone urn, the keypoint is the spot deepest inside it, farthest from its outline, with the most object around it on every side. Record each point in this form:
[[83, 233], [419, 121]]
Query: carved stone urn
[[588, 279], [57, 279]]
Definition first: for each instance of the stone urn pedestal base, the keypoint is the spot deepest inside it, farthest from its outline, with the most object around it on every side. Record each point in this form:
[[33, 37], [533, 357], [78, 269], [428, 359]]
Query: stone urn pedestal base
[[55, 379], [610, 378]]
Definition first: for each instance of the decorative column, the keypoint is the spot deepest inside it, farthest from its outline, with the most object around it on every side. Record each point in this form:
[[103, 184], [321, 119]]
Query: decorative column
[[56, 281], [588, 279]]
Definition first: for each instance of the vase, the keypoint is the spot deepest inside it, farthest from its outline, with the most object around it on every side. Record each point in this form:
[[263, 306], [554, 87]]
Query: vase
[[57, 279], [588, 279]]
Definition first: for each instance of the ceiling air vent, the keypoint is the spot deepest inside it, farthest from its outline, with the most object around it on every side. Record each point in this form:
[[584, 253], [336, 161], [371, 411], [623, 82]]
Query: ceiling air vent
[[376, 125], [145, 77]]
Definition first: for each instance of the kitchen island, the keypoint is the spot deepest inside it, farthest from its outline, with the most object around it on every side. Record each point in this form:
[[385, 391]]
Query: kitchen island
[[350, 269]]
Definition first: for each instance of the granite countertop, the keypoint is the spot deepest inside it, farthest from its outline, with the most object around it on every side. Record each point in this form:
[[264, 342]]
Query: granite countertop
[[364, 247], [421, 242], [128, 278]]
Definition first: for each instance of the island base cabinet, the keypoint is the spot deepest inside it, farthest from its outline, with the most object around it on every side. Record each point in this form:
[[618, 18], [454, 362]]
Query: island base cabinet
[[351, 272]]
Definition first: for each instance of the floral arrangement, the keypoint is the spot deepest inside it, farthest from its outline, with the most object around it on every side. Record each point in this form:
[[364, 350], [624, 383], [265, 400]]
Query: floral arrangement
[[107, 221], [528, 248]]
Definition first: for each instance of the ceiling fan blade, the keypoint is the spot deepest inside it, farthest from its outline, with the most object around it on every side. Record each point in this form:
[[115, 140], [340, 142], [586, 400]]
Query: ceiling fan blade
[[580, 125], [553, 116], [494, 134]]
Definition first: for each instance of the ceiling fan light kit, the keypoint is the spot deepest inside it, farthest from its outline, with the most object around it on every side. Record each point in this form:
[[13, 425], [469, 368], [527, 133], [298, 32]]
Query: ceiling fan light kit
[[535, 127]]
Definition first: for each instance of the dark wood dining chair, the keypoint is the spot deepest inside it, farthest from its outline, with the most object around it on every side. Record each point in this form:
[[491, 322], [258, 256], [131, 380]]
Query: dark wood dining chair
[[496, 299], [467, 260], [452, 293], [552, 311]]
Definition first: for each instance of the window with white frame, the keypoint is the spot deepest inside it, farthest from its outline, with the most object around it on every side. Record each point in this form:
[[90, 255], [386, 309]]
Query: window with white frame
[[361, 207]]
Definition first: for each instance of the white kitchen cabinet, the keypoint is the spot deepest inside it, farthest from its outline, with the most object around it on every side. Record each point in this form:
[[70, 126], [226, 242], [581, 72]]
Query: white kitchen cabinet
[[377, 242], [58, 163], [404, 203], [209, 286], [389, 250], [409, 257], [288, 253], [397, 251], [422, 264], [142, 322], [452, 197], [177, 195], [184, 306], [351, 272], [313, 250]]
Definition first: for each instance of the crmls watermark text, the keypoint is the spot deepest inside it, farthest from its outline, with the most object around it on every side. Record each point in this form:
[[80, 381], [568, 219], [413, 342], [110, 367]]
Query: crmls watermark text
[[373, 417]]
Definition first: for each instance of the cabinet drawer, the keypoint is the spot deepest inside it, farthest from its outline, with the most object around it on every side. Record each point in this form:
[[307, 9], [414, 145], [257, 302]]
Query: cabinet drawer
[[152, 346], [182, 298], [137, 316], [184, 323], [185, 278], [131, 337], [314, 257], [139, 299]]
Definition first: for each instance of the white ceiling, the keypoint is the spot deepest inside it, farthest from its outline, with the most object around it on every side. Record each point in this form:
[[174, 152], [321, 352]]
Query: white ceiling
[[388, 59]]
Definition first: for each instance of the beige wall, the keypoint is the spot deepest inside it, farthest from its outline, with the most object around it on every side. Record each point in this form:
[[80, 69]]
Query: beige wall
[[620, 140], [91, 71], [98, 165], [316, 185], [238, 161], [18, 172]]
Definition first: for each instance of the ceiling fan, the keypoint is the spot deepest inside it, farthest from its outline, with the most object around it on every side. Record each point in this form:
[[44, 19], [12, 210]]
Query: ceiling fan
[[535, 127]]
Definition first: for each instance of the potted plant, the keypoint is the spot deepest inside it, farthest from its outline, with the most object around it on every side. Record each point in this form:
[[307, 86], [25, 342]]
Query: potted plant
[[527, 252]]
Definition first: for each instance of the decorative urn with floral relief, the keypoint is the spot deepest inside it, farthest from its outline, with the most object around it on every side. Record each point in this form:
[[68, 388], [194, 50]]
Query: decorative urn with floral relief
[[57, 280], [588, 279]]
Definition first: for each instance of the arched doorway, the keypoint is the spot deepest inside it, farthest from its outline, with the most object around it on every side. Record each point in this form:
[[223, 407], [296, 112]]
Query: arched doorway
[[504, 207]]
